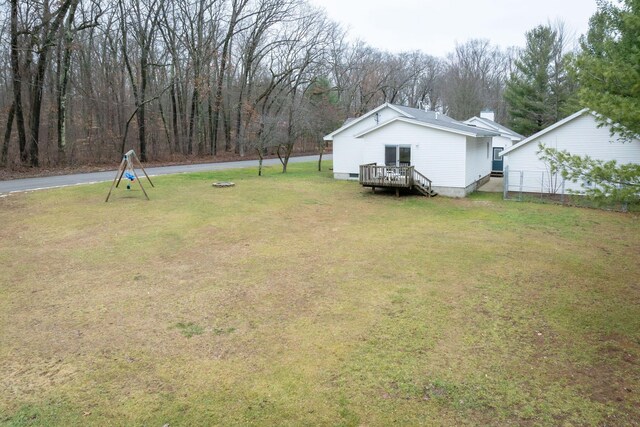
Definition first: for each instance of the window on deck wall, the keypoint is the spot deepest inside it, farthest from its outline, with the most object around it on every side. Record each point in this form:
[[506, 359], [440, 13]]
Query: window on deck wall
[[397, 155]]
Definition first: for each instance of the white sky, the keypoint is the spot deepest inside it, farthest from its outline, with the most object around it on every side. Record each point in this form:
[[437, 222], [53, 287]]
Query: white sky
[[434, 26]]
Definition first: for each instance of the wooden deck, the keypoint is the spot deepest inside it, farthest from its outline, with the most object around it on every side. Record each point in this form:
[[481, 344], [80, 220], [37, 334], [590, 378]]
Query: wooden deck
[[372, 175]]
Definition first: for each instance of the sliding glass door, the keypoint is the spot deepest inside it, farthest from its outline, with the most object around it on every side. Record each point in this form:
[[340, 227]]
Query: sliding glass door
[[397, 155]]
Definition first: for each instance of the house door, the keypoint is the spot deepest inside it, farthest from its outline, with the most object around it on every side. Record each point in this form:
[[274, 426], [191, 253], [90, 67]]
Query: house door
[[498, 161], [397, 155]]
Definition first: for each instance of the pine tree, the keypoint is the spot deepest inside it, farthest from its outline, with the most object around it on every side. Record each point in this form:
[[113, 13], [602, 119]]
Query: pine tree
[[540, 90], [608, 68]]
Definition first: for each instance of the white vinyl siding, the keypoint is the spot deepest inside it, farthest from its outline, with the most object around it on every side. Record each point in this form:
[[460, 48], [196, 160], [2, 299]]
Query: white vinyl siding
[[348, 151], [478, 165], [347, 155], [501, 142], [580, 136], [437, 154]]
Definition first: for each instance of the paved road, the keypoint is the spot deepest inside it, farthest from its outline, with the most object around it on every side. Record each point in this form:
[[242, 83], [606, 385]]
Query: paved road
[[40, 183]]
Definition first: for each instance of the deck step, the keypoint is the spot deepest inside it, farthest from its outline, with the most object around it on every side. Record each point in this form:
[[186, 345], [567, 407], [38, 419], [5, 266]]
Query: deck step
[[425, 191]]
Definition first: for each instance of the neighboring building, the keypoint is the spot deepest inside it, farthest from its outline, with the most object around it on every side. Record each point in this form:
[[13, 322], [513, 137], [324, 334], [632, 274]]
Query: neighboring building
[[454, 156], [505, 139], [579, 134]]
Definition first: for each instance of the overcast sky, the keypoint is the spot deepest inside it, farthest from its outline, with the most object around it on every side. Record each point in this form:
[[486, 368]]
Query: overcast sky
[[434, 26]]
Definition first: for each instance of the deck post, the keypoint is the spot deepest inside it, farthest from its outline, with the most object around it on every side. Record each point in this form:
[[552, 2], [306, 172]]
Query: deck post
[[397, 192]]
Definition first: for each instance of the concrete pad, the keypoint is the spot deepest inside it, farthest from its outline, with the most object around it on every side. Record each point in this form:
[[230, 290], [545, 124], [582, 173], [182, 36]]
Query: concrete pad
[[495, 185]]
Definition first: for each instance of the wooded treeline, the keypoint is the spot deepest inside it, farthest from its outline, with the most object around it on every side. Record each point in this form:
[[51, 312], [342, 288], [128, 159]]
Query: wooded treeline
[[85, 80]]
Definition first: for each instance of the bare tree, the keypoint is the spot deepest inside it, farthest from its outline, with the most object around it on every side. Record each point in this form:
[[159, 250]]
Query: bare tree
[[142, 19], [474, 75], [69, 29]]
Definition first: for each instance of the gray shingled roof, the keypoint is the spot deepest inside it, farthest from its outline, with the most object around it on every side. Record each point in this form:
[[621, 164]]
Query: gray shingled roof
[[443, 120], [503, 129]]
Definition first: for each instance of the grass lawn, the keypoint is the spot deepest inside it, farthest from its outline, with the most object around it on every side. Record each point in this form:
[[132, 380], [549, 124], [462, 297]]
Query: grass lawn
[[300, 300]]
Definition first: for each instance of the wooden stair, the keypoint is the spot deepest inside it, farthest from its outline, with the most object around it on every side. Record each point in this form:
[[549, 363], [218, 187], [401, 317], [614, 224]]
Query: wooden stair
[[425, 191], [422, 184]]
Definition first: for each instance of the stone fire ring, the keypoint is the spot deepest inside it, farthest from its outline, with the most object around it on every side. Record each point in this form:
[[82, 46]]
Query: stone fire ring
[[223, 184]]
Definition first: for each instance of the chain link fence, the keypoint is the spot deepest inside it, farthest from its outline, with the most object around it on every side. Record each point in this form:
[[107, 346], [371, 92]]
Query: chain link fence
[[527, 185], [542, 186]]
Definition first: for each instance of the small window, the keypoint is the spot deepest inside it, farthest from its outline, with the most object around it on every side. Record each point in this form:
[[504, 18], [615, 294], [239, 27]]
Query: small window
[[488, 149], [496, 153], [354, 175]]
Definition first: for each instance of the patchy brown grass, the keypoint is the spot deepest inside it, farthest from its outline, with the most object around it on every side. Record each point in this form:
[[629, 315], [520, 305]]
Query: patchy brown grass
[[295, 299]]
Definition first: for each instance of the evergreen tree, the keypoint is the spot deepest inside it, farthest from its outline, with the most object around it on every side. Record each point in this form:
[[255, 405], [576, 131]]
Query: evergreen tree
[[538, 94], [608, 68], [608, 72]]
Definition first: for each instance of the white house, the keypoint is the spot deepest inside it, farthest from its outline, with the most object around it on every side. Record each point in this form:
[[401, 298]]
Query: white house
[[579, 134], [454, 156], [505, 139]]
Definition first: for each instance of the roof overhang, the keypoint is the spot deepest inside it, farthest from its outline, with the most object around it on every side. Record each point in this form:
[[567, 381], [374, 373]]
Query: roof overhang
[[428, 125], [363, 117], [472, 119], [496, 127]]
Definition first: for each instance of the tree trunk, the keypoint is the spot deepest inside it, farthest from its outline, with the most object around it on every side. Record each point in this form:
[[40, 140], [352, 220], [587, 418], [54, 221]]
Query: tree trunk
[[36, 108], [17, 82], [48, 32], [142, 109], [226, 107], [320, 159], [226, 122], [62, 85], [7, 136], [174, 116], [165, 127], [288, 147], [217, 102], [260, 162], [192, 118]]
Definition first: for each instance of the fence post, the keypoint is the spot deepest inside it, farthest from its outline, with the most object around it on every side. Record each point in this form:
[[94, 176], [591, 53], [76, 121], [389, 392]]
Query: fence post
[[562, 197], [521, 183], [505, 183]]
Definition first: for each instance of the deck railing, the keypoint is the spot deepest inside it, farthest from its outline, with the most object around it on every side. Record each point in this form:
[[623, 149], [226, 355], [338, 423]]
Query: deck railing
[[372, 175], [422, 182], [386, 176]]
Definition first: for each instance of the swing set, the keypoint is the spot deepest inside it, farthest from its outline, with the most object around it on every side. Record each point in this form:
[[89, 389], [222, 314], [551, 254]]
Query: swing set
[[127, 169]]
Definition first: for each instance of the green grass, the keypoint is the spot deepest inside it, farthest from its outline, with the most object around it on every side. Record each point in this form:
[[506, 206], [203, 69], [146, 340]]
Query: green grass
[[300, 300], [189, 329]]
